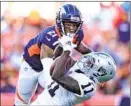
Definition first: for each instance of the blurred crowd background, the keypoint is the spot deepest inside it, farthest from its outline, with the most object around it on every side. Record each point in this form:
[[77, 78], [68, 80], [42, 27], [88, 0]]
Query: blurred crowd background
[[106, 28]]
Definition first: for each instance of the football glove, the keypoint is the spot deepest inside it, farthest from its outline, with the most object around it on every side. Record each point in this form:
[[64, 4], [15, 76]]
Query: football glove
[[66, 43]]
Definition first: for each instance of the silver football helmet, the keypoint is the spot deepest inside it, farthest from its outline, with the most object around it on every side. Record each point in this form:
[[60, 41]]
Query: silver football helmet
[[98, 66]]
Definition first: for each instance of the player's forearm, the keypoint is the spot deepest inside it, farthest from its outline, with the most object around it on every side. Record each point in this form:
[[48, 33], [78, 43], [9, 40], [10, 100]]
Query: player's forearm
[[69, 84], [83, 49], [46, 51], [59, 69], [57, 52]]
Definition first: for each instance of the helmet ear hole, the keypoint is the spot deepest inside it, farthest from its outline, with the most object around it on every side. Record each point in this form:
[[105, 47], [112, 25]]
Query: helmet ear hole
[[111, 73]]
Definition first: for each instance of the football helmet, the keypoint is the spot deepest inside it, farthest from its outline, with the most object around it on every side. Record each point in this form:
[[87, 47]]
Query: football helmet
[[98, 66], [69, 20]]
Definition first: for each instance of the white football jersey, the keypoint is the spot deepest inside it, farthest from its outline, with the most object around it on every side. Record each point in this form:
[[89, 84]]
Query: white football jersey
[[55, 94]]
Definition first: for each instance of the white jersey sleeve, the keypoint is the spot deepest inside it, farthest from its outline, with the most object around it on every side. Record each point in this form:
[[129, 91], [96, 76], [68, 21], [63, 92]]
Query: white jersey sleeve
[[57, 95], [54, 94], [87, 86]]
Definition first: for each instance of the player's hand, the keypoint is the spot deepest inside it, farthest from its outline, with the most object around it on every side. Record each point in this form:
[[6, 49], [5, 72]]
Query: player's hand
[[66, 43]]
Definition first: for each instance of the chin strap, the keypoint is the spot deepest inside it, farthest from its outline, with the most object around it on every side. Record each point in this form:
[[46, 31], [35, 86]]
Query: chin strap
[[62, 26]]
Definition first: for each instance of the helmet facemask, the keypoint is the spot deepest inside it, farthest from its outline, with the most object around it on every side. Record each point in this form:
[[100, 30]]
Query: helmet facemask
[[97, 66], [70, 28], [86, 63]]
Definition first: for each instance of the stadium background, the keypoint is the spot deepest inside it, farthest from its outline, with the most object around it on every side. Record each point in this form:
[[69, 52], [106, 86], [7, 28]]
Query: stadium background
[[106, 27]]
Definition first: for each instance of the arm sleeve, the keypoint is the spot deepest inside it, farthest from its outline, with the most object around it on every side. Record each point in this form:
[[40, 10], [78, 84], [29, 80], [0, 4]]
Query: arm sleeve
[[87, 86]]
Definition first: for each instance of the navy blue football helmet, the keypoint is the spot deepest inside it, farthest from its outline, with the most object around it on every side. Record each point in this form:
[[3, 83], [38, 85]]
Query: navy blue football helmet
[[69, 13]]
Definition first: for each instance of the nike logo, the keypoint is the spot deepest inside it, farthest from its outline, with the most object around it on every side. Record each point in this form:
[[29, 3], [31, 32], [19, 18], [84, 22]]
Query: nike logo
[[49, 39]]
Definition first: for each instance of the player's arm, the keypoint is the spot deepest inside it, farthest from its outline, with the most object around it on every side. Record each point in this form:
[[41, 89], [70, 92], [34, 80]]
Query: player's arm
[[46, 51], [59, 74], [57, 52], [75, 85], [59, 71], [83, 49]]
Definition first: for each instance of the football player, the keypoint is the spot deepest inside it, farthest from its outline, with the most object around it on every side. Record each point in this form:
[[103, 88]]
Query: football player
[[68, 23], [75, 81]]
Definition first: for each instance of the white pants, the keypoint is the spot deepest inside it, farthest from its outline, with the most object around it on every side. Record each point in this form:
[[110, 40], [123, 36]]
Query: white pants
[[29, 79]]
